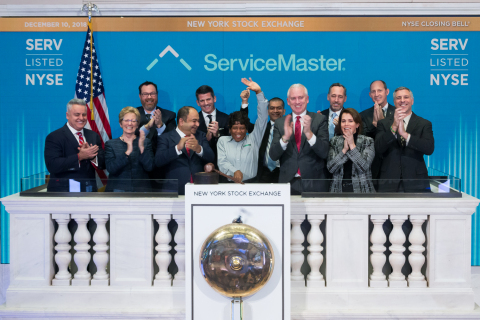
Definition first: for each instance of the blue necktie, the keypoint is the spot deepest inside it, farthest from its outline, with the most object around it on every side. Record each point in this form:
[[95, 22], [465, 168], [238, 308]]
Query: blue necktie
[[331, 127]]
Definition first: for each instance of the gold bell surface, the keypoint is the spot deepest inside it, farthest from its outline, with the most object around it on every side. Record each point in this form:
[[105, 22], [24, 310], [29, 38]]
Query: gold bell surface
[[236, 260]]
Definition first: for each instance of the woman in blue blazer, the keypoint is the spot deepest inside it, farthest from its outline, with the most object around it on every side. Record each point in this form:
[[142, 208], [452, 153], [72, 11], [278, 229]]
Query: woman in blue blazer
[[129, 158], [350, 155]]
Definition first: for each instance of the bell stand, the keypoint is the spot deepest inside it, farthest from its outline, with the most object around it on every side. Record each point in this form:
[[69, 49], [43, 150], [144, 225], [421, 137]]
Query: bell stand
[[237, 308]]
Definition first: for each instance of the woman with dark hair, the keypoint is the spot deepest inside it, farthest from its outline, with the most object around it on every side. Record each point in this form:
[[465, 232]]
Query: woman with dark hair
[[129, 158], [351, 155], [238, 153]]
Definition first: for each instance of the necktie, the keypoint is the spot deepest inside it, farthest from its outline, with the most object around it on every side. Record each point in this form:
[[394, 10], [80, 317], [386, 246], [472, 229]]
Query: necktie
[[188, 152], [80, 138], [269, 162], [209, 119], [385, 112], [298, 135], [149, 116], [331, 127], [403, 142]]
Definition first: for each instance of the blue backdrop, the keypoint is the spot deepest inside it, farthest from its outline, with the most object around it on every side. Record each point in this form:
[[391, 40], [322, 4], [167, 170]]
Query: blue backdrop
[[34, 103]]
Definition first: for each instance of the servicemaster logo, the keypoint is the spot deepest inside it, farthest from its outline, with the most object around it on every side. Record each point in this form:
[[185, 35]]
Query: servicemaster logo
[[279, 63], [175, 54]]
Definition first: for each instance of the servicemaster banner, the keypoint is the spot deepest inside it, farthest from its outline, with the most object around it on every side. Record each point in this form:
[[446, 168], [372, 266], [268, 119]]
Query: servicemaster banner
[[436, 57]]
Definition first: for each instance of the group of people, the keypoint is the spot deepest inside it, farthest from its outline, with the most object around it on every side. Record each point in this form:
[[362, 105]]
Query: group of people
[[337, 149]]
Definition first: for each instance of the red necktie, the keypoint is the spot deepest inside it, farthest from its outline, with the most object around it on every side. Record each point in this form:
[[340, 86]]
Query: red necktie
[[298, 135], [80, 138]]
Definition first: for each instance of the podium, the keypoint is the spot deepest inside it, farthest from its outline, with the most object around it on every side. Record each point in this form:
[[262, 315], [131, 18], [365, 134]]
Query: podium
[[264, 207]]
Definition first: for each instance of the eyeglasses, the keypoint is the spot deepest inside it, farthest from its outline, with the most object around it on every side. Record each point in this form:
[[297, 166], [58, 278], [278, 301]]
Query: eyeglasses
[[129, 121], [146, 94]]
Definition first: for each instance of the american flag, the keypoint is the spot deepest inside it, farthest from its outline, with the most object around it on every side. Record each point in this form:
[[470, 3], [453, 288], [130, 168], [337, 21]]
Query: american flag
[[89, 87]]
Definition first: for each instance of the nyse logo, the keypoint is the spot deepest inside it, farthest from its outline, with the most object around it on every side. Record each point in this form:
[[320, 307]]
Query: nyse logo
[[449, 62]]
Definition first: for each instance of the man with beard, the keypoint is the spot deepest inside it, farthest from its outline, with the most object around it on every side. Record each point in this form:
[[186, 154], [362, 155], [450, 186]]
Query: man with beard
[[337, 95], [154, 121], [72, 152], [184, 151]]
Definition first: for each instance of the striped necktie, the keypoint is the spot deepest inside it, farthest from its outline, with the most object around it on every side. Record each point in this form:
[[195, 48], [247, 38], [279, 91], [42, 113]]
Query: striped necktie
[[80, 138]]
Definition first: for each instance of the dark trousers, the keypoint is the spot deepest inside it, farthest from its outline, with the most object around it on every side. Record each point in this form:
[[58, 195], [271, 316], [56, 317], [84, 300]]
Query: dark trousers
[[267, 176]]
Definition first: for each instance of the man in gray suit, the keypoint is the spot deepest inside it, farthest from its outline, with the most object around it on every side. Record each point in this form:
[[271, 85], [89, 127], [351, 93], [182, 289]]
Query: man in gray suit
[[300, 142]]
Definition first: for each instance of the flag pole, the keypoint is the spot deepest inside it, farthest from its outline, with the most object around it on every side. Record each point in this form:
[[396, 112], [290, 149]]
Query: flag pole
[[91, 65]]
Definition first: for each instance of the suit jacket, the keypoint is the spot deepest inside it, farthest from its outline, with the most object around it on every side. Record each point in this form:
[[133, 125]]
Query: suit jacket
[[361, 157], [128, 174], [61, 159], [310, 159], [168, 117], [404, 162], [181, 167], [370, 130], [223, 130]]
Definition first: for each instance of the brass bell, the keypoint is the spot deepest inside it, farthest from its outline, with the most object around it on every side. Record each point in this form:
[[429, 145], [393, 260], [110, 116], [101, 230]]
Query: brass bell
[[236, 260]]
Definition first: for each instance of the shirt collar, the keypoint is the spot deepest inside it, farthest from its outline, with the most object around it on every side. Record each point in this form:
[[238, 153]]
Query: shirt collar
[[152, 112], [407, 118], [294, 116], [180, 133], [330, 112], [214, 114], [74, 131]]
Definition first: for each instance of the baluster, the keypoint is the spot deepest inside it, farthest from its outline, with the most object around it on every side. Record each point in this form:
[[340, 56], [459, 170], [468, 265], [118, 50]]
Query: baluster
[[315, 257], [179, 280], [378, 257], [397, 259], [63, 256], [416, 258], [100, 257], [163, 257], [296, 242], [82, 256]]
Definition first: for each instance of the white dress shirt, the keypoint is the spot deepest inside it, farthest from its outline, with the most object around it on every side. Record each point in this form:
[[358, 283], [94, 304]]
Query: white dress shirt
[[182, 135]]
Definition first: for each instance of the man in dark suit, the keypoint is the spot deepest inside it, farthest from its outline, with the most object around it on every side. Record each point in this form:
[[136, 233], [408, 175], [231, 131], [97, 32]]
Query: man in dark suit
[[268, 170], [301, 145], [184, 151], [370, 117], [72, 152], [213, 122], [402, 141], [154, 121], [337, 95]]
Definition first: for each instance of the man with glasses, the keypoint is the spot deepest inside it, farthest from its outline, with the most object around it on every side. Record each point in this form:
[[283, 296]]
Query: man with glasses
[[154, 121]]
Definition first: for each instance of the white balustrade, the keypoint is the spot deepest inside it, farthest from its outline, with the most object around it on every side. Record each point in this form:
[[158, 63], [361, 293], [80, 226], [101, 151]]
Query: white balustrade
[[179, 280], [397, 259], [82, 255], [63, 255], [100, 257], [296, 247], [315, 257], [378, 257], [163, 257], [416, 258], [127, 252]]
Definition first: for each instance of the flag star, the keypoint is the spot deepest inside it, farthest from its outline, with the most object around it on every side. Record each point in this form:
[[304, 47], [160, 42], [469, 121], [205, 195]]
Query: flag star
[[93, 50], [100, 83], [83, 69], [86, 84], [85, 99], [94, 81], [90, 33], [95, 74], [96, 67], [81, 76], [79, 90], [100, 76], [99, 90], [87, 48], [88, 71], [88, 40], [85, 93], [85, 55], [80, 84], [84, 62]]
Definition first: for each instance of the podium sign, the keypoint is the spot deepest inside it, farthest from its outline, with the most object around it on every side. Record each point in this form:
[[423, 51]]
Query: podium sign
[[265, 207]]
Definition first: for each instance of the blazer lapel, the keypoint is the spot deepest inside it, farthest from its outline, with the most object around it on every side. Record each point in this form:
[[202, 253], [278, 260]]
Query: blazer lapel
[[202, 126], [292, 138], [71, 138], [412, 123]]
